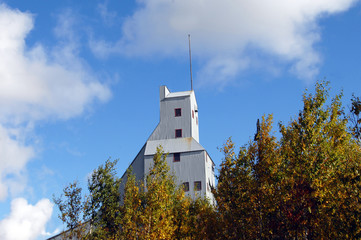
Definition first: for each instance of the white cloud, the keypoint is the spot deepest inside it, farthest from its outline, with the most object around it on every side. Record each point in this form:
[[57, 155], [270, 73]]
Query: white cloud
[[285, 29], [26, 221], [37, 84], [14, 156], [107, 16]]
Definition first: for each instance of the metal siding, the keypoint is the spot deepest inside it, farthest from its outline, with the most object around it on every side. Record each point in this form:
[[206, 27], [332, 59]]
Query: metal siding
[[210, 177], [194, 165], [173, 145], [194, 125], [189, 169], [137, 169], [168, 122]]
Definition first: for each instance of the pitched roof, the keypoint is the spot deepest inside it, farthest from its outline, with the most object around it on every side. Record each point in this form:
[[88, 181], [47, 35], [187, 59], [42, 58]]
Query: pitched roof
[[173, 145], [178, 94]]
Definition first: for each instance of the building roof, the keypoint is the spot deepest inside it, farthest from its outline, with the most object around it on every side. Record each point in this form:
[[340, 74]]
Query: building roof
[[173, 145], [178, 94]]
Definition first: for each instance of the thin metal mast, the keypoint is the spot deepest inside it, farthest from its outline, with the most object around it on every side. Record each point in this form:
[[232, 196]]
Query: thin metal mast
[[190, 60]]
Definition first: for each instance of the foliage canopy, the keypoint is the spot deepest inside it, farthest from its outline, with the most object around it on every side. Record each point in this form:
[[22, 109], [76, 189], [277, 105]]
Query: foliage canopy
[[304, 185]]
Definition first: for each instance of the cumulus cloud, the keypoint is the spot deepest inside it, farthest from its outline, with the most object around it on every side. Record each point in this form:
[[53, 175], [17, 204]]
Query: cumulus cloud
[[14, 156], [26, 221], [36, 84], [287, 30]]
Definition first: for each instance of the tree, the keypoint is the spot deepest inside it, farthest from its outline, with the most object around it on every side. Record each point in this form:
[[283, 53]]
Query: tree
[[159, 209], [132, 208], [103, 207], [321, 164], [356, 117], [247, 193], [154, 209], [98, 215], [71, 210], [306, 185], [159, 198]]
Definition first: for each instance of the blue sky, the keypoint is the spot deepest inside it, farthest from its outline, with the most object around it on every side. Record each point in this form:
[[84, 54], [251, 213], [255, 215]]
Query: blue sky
[[79, 82]]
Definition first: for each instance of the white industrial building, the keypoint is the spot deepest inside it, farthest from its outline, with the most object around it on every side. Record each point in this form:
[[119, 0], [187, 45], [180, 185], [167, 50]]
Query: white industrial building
[[178, 134]]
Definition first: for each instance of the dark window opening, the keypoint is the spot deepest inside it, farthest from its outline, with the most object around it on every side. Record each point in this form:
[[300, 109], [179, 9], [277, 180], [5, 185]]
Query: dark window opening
[[176, 157], [197, 186], [178, 133], [178, 112], [186, 186]]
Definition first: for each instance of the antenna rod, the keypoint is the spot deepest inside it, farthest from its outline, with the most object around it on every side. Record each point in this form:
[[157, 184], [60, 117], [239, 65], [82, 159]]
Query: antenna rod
[[190, 59]]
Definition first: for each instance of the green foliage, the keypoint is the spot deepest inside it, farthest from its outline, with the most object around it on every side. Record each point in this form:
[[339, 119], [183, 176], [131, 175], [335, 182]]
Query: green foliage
[[247, 193], [132, 208], [154, 209], [150, 209], [304, 186], [100, 211], [103, 206], [71, 209], [159, 209], [161, 191], [356, 117]]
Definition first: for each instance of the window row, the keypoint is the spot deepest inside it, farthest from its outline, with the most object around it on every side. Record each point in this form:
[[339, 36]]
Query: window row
[[197, 186]]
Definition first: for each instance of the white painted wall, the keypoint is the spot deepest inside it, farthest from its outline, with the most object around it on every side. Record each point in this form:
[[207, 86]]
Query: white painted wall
[[168, 123], [190, 168], [195, 164], [195, 119], [210, 176]]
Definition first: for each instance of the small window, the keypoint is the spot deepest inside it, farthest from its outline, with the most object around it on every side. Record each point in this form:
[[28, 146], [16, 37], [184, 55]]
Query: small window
[[176, 157], [197, 120], [177, 112], [186, 186], [197, 186], [178, 133], [192, 113]]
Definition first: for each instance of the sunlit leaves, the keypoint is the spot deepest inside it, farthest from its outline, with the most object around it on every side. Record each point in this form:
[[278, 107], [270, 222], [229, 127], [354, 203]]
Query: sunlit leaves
[[304, 185], [71, 206], [104, 207], [356, 117]]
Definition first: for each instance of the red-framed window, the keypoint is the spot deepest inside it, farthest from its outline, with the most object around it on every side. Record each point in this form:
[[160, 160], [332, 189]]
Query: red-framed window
[[197, 186], [192, 113], [177, 112], [178, 133], [186, 186], [176, 157]]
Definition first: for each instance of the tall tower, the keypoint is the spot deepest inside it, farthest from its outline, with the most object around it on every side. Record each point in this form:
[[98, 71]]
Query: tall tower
[[178, 134]]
